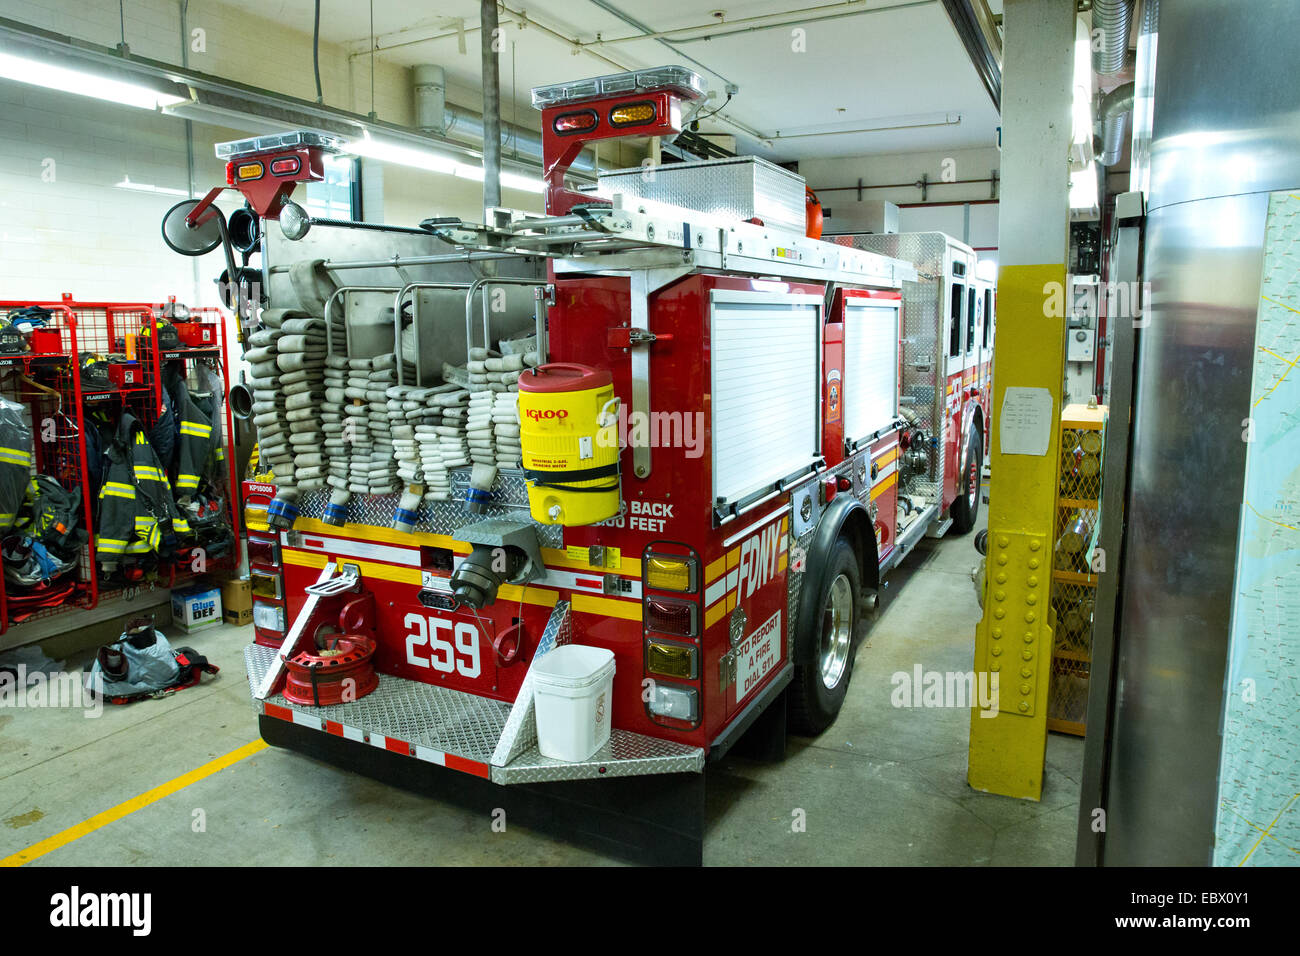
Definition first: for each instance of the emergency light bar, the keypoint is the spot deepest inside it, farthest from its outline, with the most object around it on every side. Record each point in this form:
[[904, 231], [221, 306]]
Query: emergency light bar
[[687, 84], [274, 142]]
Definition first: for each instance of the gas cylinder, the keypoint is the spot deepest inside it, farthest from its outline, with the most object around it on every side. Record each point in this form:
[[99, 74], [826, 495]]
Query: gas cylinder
[[569, 438]]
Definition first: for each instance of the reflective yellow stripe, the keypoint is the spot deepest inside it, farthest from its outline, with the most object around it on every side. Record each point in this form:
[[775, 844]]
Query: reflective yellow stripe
[[111, 545], [196, 428], [181, 526], [115, 490], [149, 472], [187, 481], [15, 456]]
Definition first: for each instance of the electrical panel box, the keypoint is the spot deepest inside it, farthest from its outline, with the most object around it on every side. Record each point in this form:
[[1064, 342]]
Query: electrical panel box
[[1081, 345]]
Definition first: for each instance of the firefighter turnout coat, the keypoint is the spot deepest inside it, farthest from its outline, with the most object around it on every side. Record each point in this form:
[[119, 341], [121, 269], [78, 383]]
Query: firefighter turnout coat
[[136, 509], [200, 443]]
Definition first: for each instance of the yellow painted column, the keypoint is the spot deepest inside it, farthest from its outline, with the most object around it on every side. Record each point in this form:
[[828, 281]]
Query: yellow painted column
[[1013, 643]]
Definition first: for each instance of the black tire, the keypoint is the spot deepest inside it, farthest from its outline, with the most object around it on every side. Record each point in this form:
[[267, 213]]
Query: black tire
[[814, 705], [965, 510]]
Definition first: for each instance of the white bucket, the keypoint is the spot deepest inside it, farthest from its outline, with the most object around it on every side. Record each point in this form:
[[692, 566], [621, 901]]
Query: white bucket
[[573, 691]]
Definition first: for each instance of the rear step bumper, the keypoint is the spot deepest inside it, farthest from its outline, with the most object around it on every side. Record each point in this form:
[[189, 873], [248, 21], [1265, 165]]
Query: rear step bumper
[[474, 735]]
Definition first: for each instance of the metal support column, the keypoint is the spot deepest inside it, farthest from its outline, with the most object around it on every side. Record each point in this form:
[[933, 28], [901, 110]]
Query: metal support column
[[1013, 643], [490, 44]]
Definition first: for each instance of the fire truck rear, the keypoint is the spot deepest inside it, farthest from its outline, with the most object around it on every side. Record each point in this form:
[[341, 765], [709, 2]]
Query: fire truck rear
[[727, 434]]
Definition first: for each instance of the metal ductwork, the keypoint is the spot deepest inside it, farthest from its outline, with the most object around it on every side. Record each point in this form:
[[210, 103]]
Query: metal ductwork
[[1116, 107], [1112, 18], [435, 115], [430, 84]]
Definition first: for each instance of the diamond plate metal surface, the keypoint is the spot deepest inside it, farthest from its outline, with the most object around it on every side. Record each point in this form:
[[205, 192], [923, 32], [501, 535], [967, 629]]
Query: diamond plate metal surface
[[794, 584], [739, 187], [510, 500], [625, 755], [924, 312], [436, 717], [475, 727], [520, 732]]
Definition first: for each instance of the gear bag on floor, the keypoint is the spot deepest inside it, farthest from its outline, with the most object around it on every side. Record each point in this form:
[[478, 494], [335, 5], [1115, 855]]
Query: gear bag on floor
[[141, 663]]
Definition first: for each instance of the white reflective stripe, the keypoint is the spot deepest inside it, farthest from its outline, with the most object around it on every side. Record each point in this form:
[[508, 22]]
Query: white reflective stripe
[[379, 740], [744, 532], [590, 581], [431, 755], [352, 733], [355, 549], [716, 591], [306, 720], [885, 472]]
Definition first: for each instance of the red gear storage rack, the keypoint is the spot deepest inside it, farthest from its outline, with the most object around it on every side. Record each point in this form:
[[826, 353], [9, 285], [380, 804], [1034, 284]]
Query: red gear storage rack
[[48, 381]]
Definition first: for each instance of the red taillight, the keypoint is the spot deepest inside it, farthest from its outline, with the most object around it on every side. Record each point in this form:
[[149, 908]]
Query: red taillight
[[831, 489], [843, 483], [667, 616], [264, 551], [286, 166], [576, 122]]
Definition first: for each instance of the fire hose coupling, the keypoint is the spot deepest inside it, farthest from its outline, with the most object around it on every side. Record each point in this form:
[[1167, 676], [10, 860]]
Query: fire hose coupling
[[282, 512], [405, 514], [336, 510], [503, 552]]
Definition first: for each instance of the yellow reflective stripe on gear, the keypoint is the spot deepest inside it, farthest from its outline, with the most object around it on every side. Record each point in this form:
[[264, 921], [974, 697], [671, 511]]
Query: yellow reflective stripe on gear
[[187, 481], [196, 428], [180, 526], [114, 489], [149, 473], [111, 545], [15, 456], [144, 522]]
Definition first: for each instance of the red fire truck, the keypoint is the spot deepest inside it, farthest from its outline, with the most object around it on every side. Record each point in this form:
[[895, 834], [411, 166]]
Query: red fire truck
[[792, 421]]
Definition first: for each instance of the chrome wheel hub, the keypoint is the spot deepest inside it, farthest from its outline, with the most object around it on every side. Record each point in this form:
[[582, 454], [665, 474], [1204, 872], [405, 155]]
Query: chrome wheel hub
[[837, 632]]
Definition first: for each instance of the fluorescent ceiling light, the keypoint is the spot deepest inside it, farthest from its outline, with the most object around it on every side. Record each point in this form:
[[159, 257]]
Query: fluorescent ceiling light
[[149, 188], [1083, 188], [46, 74], [434, 162], [1081, 105], [528, 184], [401, 155]]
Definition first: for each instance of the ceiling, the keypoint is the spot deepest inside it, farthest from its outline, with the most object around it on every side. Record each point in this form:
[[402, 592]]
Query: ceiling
[[895, 67]]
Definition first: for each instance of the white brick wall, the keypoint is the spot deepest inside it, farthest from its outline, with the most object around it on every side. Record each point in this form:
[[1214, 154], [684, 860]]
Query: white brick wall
[[82, 234]]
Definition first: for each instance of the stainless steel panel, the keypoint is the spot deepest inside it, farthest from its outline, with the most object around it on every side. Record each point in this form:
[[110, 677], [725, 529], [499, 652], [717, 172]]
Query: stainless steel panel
[[442, 312], [1223, 127], [1227, 111], [1124, 266], [741, 187]]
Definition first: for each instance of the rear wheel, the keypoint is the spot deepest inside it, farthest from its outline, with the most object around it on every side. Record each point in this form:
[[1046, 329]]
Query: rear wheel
[[966, 508], [821, 679]]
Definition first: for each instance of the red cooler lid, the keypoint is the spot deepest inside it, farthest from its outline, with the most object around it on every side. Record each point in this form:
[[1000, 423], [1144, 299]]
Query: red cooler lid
[[564, 377]]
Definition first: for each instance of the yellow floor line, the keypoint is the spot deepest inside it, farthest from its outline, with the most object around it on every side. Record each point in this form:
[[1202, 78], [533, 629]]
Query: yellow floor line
[[50, 844]]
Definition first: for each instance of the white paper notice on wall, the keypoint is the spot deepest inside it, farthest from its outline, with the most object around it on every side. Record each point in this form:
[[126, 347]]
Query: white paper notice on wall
[[1025, 423]]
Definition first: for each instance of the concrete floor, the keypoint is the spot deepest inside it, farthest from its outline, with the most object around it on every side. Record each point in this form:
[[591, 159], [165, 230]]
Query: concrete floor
[[882, 786]]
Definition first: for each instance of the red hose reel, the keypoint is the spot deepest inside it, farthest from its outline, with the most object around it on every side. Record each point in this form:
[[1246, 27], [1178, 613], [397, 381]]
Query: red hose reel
[[338, 674]]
